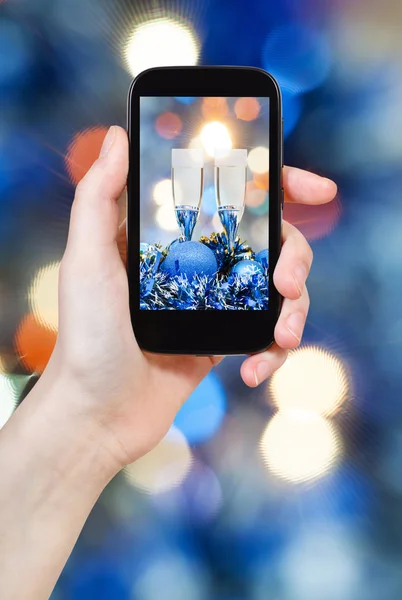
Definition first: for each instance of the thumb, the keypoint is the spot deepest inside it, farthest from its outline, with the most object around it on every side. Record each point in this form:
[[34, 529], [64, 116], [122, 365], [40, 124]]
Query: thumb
[[94, 214]]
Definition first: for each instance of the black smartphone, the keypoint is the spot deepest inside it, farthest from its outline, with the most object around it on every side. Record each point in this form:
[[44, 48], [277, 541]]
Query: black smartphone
[[204, 209]]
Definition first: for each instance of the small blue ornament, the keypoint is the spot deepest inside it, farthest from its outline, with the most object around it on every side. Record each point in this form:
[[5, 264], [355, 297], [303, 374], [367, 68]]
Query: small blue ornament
[[262, 258], [189, 259], [245, 269]]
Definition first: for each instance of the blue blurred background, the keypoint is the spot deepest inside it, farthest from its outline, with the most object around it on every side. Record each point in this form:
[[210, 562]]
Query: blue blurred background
[[292, 491]]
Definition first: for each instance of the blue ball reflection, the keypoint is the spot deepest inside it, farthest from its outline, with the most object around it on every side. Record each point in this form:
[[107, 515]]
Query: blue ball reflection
[[201, 416]]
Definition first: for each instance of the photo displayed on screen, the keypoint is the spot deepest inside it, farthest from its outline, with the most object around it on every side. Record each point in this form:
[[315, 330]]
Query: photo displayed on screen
[[204, 174]]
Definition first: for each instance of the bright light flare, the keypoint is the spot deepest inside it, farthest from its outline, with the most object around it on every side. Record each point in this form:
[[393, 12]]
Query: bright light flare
[[162, 192], [164, 468], [311, 379], [247, 109], [258, 159], [168, 125], [166, 218], [215, 136], [43, 296], [299, 446], [161, 42]]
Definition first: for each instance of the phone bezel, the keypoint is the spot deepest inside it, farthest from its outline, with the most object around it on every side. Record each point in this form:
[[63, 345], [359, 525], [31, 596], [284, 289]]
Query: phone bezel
[[220, 332]]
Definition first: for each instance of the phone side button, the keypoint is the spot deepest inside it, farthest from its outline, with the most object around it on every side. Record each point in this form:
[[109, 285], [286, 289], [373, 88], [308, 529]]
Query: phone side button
[[283, 199]]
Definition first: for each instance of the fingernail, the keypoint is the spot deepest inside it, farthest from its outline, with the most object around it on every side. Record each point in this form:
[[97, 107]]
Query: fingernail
[[328, 183], [108, 142], [295, 324], [300, 276], [261, 371]]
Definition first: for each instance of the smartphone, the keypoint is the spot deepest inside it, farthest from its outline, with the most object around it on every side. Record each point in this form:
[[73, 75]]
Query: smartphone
[[204, 209]]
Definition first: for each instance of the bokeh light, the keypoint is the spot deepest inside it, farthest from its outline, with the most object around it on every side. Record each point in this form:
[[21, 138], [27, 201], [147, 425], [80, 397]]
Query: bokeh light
[[214, 108], [215, 136], [258, 159], [261, 180], [201, 416], [255, 196], [166, 218], [314, 221], [162, 192], [83, 152], [164, 467], [299, 445], [161, 42], [34, 343], [298, 56], [43, 296], [168, 125], [247, 109], [311, 379]]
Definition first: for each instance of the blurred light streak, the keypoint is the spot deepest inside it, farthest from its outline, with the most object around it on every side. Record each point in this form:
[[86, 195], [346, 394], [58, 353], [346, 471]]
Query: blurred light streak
[[299, 57], [215, 136], [258, 159], [161, 42], [83, 151], [43, 296], [298, 446], [164, 467], [202, 414], [214, 108], [162, 192], [311, 379], [168, 125], [34, 343], [166, 218], [314, 221], [247, 109]]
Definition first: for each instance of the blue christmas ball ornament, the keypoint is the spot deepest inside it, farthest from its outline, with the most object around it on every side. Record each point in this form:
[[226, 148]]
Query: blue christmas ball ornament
[[262, 258], [247, 268], [189, 259]]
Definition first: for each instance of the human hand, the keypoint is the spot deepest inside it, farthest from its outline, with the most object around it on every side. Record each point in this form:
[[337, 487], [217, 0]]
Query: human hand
[[134, 396]]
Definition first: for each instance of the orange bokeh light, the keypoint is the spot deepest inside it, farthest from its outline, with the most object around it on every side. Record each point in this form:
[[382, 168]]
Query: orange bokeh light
[[168, 125], [314, 222], [83, 151], [255, 196], [214, 108], [261, 180], [34, 344], [247, 109]]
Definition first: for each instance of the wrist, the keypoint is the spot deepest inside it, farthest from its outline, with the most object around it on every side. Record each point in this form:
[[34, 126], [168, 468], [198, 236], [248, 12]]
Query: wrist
[[54, 421]]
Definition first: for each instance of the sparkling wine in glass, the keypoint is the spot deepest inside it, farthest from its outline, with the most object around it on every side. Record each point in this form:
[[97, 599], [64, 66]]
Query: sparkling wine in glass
[[230, 190], [187, 186]]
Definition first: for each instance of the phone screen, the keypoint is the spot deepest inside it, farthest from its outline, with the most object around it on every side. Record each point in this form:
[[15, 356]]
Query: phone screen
[[204, 203]]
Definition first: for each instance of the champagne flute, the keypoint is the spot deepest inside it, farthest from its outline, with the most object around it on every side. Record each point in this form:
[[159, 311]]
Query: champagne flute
[[187, 187], [230, 190]]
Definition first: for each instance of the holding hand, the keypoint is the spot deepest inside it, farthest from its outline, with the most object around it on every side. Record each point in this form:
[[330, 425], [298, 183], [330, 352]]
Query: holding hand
[[133, 395]]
